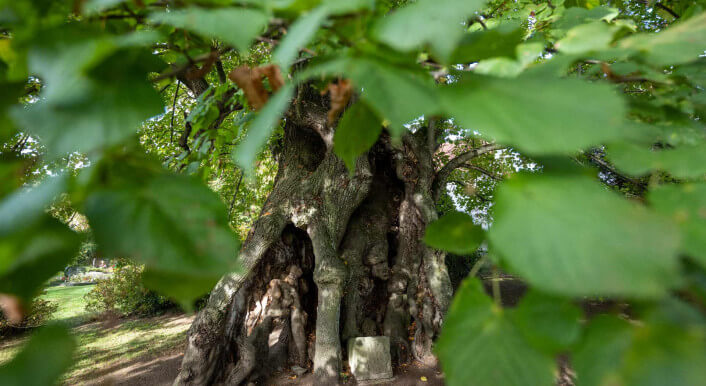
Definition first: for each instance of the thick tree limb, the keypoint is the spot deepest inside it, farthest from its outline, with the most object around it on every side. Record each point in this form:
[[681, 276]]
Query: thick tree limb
[[431, 134], [462, 158], [457, 162]]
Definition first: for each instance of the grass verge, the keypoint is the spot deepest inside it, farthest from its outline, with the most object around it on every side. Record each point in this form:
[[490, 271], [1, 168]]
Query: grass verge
[[106, 346]]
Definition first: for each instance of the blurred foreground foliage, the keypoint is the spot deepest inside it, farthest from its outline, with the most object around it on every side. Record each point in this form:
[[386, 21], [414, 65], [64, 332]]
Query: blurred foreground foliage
[[599, 104]]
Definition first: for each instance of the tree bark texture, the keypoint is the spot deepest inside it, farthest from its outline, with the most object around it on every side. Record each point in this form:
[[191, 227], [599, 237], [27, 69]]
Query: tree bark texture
[[334, 255]]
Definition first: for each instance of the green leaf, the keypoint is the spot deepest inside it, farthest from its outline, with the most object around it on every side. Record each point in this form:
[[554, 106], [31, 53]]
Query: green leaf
[[25, 207], [11, 167], [682, 42], [91, 102], [537, 114], [173, 224], [30, 256], [336, 7], [384, 86], [479, 345], [47, 354], [575, 16], [438, 23], [298, 36], [110, 116], [686, 204], [680, 162], [650, 354], [454, 232], [357, 131], [96, 6], [549, 323], [261, 128], [568, 235], [587, 37], [666, 355], [601, 351], [500, 67], [695, 72], [496, 42], [10, 95], [236, 26], [33, 246]]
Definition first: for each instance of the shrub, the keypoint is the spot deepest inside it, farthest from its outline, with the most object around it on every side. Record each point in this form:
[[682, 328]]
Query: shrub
[[124, 294], [39, 311]]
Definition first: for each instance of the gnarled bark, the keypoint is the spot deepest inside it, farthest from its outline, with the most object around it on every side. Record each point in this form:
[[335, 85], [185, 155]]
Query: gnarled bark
[[330, 249]]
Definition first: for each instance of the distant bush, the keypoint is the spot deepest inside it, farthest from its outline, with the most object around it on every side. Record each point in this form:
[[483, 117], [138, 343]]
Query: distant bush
[[99, 269], [123, 294], [39, 312]]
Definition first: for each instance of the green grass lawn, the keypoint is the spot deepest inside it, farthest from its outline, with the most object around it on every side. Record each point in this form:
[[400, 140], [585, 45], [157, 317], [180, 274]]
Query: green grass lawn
[[106, 345], [72, 306]]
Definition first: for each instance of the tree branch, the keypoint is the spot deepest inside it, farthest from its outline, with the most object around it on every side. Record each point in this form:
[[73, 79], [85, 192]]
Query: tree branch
[[667, 9], [221, 73], [235, 194], [457, 162], [484, 171], [431, 134], [609, 168], [171, 125], [462, 158]]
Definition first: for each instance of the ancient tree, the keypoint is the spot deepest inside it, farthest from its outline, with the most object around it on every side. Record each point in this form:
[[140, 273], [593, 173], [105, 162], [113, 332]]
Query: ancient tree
[[333, 255]]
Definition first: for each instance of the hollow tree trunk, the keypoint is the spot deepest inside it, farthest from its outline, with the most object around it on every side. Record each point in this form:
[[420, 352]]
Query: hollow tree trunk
[[332, 256]]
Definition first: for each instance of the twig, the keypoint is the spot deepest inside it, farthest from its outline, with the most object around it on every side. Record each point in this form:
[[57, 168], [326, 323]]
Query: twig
[[163, 89], [171, 125], [237, 188], [20, 145], [484, 171], [175, 71], [477, 266], [496, 288], [606, 166]]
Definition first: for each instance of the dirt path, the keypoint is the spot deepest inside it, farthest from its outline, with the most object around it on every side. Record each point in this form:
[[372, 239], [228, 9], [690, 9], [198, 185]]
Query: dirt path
[[414, 374], [140, 351], [148, 351], [162, 370], [142, 371]]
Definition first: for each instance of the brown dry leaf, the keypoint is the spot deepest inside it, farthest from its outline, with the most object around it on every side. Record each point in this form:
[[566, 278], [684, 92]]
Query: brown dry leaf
[[196, 73], [271, 71], [340, 95], [12, 308], [605, 67], [250, 80]]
